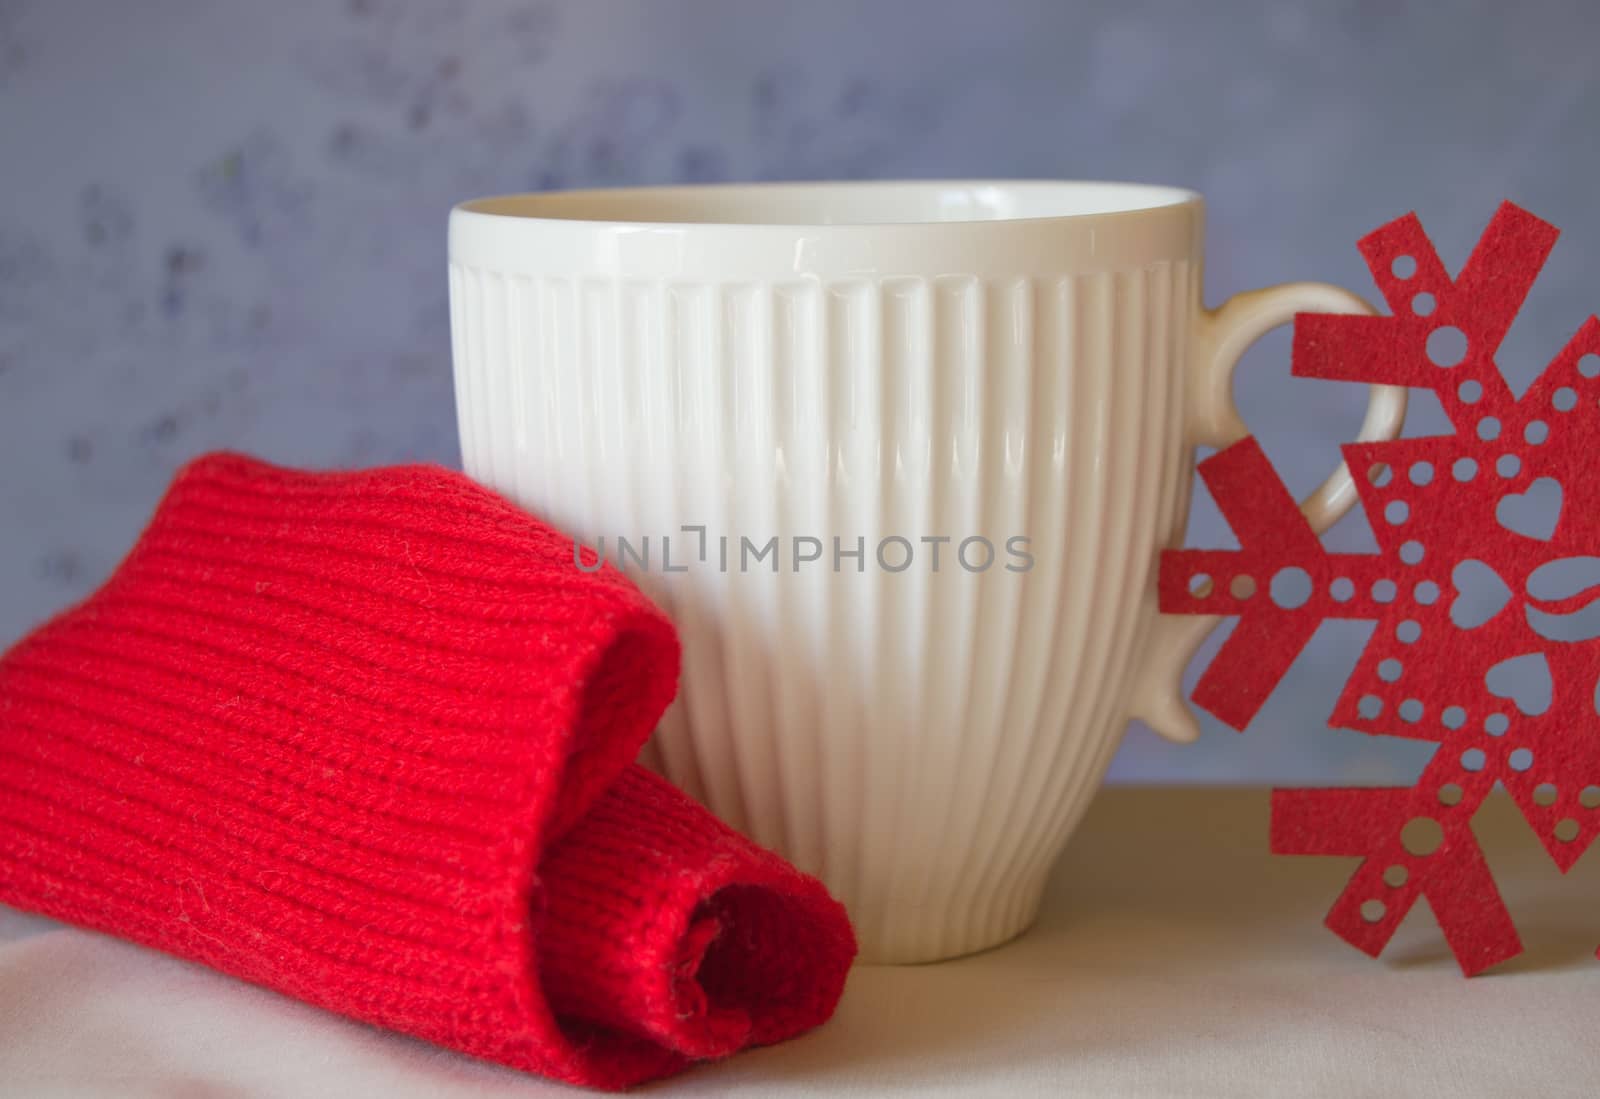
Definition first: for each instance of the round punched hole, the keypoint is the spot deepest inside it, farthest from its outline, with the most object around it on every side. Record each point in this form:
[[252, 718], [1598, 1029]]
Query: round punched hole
[[1521, 759], [1342, 589], [1488, 429], [1496, 724], [1242, 586], [1411, 710], [1380, 474], [1369, 707], [1589, 797], [1372, 911], [1403, 267], [1389, 670], [1536, 432], [1200, 585], [1421, 473], [1464, 469], [1422, 305], [1397, 512], [1291, 587], [1453, 717], [1469, 391], [1564, 399], [1408, 631], [1395, 876], [1384, 591], [1411, 552], [1447, 345], [1450, 794], [1426, 593], [1589, 365], [1566, 830], [1508, 465], [1473, 759], [1544, 794], [1421, 836]]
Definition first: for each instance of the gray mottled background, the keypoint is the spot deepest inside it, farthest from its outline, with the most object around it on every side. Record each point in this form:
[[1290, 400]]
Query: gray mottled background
[[223, 222]]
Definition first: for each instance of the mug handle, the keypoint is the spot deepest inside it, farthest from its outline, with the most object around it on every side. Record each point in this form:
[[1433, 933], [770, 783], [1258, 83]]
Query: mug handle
[[1223, 334]]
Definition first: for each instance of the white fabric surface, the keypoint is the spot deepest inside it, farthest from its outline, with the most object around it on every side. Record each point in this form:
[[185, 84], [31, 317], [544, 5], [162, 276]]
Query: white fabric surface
[[1174, 958]]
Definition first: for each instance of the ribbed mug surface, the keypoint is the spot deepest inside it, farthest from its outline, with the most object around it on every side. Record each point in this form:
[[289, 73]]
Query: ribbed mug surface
[[922, 738]]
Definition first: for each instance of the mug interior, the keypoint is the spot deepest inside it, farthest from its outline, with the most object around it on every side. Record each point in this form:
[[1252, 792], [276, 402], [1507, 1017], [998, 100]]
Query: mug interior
[[867, 203]]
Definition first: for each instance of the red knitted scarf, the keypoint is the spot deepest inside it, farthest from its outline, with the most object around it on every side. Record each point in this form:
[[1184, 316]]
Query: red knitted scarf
[[365, 739]]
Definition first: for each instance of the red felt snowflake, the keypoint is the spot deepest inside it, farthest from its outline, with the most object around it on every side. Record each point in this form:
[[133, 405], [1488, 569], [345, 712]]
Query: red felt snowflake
[[1453, 515]]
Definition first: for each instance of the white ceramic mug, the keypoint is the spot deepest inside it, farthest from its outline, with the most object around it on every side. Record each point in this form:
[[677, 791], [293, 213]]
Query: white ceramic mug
[[701, 370]]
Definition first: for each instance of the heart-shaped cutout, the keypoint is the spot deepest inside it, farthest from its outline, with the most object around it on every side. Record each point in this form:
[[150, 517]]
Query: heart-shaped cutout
[[1534, 513], [1524, 680], [1481, 594]]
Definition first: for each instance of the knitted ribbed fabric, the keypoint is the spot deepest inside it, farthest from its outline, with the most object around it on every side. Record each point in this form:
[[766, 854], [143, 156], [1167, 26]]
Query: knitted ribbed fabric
[[365, 738]]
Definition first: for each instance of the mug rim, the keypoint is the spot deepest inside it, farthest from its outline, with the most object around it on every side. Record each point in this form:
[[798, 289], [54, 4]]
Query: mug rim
[[1135, 225], [601, 208]]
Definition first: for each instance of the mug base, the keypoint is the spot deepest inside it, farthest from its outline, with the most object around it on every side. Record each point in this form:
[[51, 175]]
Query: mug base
[[986, 925]]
